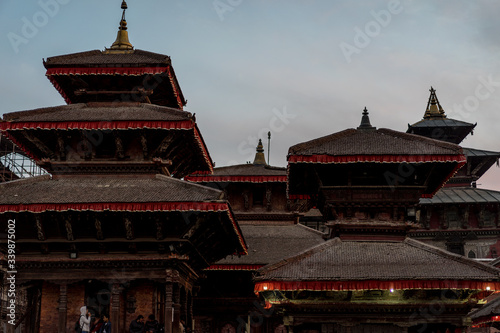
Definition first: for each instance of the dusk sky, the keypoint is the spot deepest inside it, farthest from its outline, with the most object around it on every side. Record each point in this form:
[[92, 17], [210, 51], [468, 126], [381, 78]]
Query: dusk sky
[[300, 69]]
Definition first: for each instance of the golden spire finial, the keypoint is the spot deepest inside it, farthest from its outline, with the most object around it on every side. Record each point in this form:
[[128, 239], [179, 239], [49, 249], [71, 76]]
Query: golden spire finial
[[434, 109], [122, 43], [260, 159]]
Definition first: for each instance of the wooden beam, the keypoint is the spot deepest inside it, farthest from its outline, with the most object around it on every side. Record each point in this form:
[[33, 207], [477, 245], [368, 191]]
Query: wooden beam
[[38, 144], [129, 229], [39, 228], [69, 227]]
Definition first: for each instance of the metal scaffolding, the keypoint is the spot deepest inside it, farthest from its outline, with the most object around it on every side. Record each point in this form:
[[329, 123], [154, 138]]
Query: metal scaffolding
[[14, 164]]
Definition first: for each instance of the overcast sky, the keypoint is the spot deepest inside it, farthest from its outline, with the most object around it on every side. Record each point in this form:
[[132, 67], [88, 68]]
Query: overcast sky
[[300, 69]]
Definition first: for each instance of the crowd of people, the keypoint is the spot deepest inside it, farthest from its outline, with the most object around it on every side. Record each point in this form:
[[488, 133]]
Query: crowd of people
[[102, 324]]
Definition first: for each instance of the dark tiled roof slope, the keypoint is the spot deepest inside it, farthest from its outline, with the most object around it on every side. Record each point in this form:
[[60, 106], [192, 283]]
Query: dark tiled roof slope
[[374, 142], [249, 170], [43, 190], [455, 195], [100, 112], [489, 309], [471, 152], [338, 260], [99, 58], [272, 243], [442, 122]]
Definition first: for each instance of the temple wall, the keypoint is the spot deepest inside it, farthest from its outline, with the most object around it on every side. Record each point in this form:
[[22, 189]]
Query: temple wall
[[76, 299], [49, 314], [143, 295]]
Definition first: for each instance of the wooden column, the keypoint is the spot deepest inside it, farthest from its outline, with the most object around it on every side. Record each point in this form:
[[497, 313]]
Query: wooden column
[[115, 307], [63, 307], [9, 328], [168, 307], [177, 308], [190, 319]]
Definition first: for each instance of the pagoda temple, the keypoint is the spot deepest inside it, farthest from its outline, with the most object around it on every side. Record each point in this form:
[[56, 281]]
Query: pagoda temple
[[113, 227], [134, 218], [369, 276], [461, 217], [269, 223]]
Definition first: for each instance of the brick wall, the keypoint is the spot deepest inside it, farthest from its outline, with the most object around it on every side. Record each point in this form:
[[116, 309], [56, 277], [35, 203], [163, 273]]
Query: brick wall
[[76, 299], [49, 313], [143, 294]]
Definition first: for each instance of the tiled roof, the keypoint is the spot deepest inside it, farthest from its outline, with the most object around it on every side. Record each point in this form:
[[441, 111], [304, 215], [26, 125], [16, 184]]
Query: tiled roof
[[99, 58], [471, 152], [491, 308], [441, 122], [249, 170], [78, 190], [100, 112], [271, 243], [454, 195], [374, 142], [338, 260]]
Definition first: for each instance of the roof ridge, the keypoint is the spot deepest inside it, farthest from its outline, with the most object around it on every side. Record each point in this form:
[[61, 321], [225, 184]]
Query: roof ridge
[[450, 255], [46, 109], [184, 182], [415, 137], [144, 52], [293, 149], [72, 55], [34, 179], [299, 256], [164, 108]]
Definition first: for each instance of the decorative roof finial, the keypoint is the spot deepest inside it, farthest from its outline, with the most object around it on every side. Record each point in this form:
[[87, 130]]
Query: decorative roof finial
[[260, 159], [365, 121], [434, 109], [122, 43]]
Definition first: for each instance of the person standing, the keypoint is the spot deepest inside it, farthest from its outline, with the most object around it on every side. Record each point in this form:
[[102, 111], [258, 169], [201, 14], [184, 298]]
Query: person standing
[[96, 326], [85, 317], [106, 326]]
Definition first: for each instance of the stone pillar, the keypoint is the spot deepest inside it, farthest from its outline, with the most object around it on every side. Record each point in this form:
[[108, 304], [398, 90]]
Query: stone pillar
[[63, 307], [169, 310], [115, 306]]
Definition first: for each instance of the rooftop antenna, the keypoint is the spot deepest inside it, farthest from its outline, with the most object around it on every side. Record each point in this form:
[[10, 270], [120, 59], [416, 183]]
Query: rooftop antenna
[[268, 147]]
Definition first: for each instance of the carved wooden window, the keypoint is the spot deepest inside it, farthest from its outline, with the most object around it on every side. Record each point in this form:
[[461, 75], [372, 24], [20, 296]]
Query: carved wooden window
[[258, 196], [452, 219], [488, 218]]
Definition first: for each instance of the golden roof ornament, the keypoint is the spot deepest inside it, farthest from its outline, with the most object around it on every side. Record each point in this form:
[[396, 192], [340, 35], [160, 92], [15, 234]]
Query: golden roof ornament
[[121, 44], [434, 109], [260, 159]]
